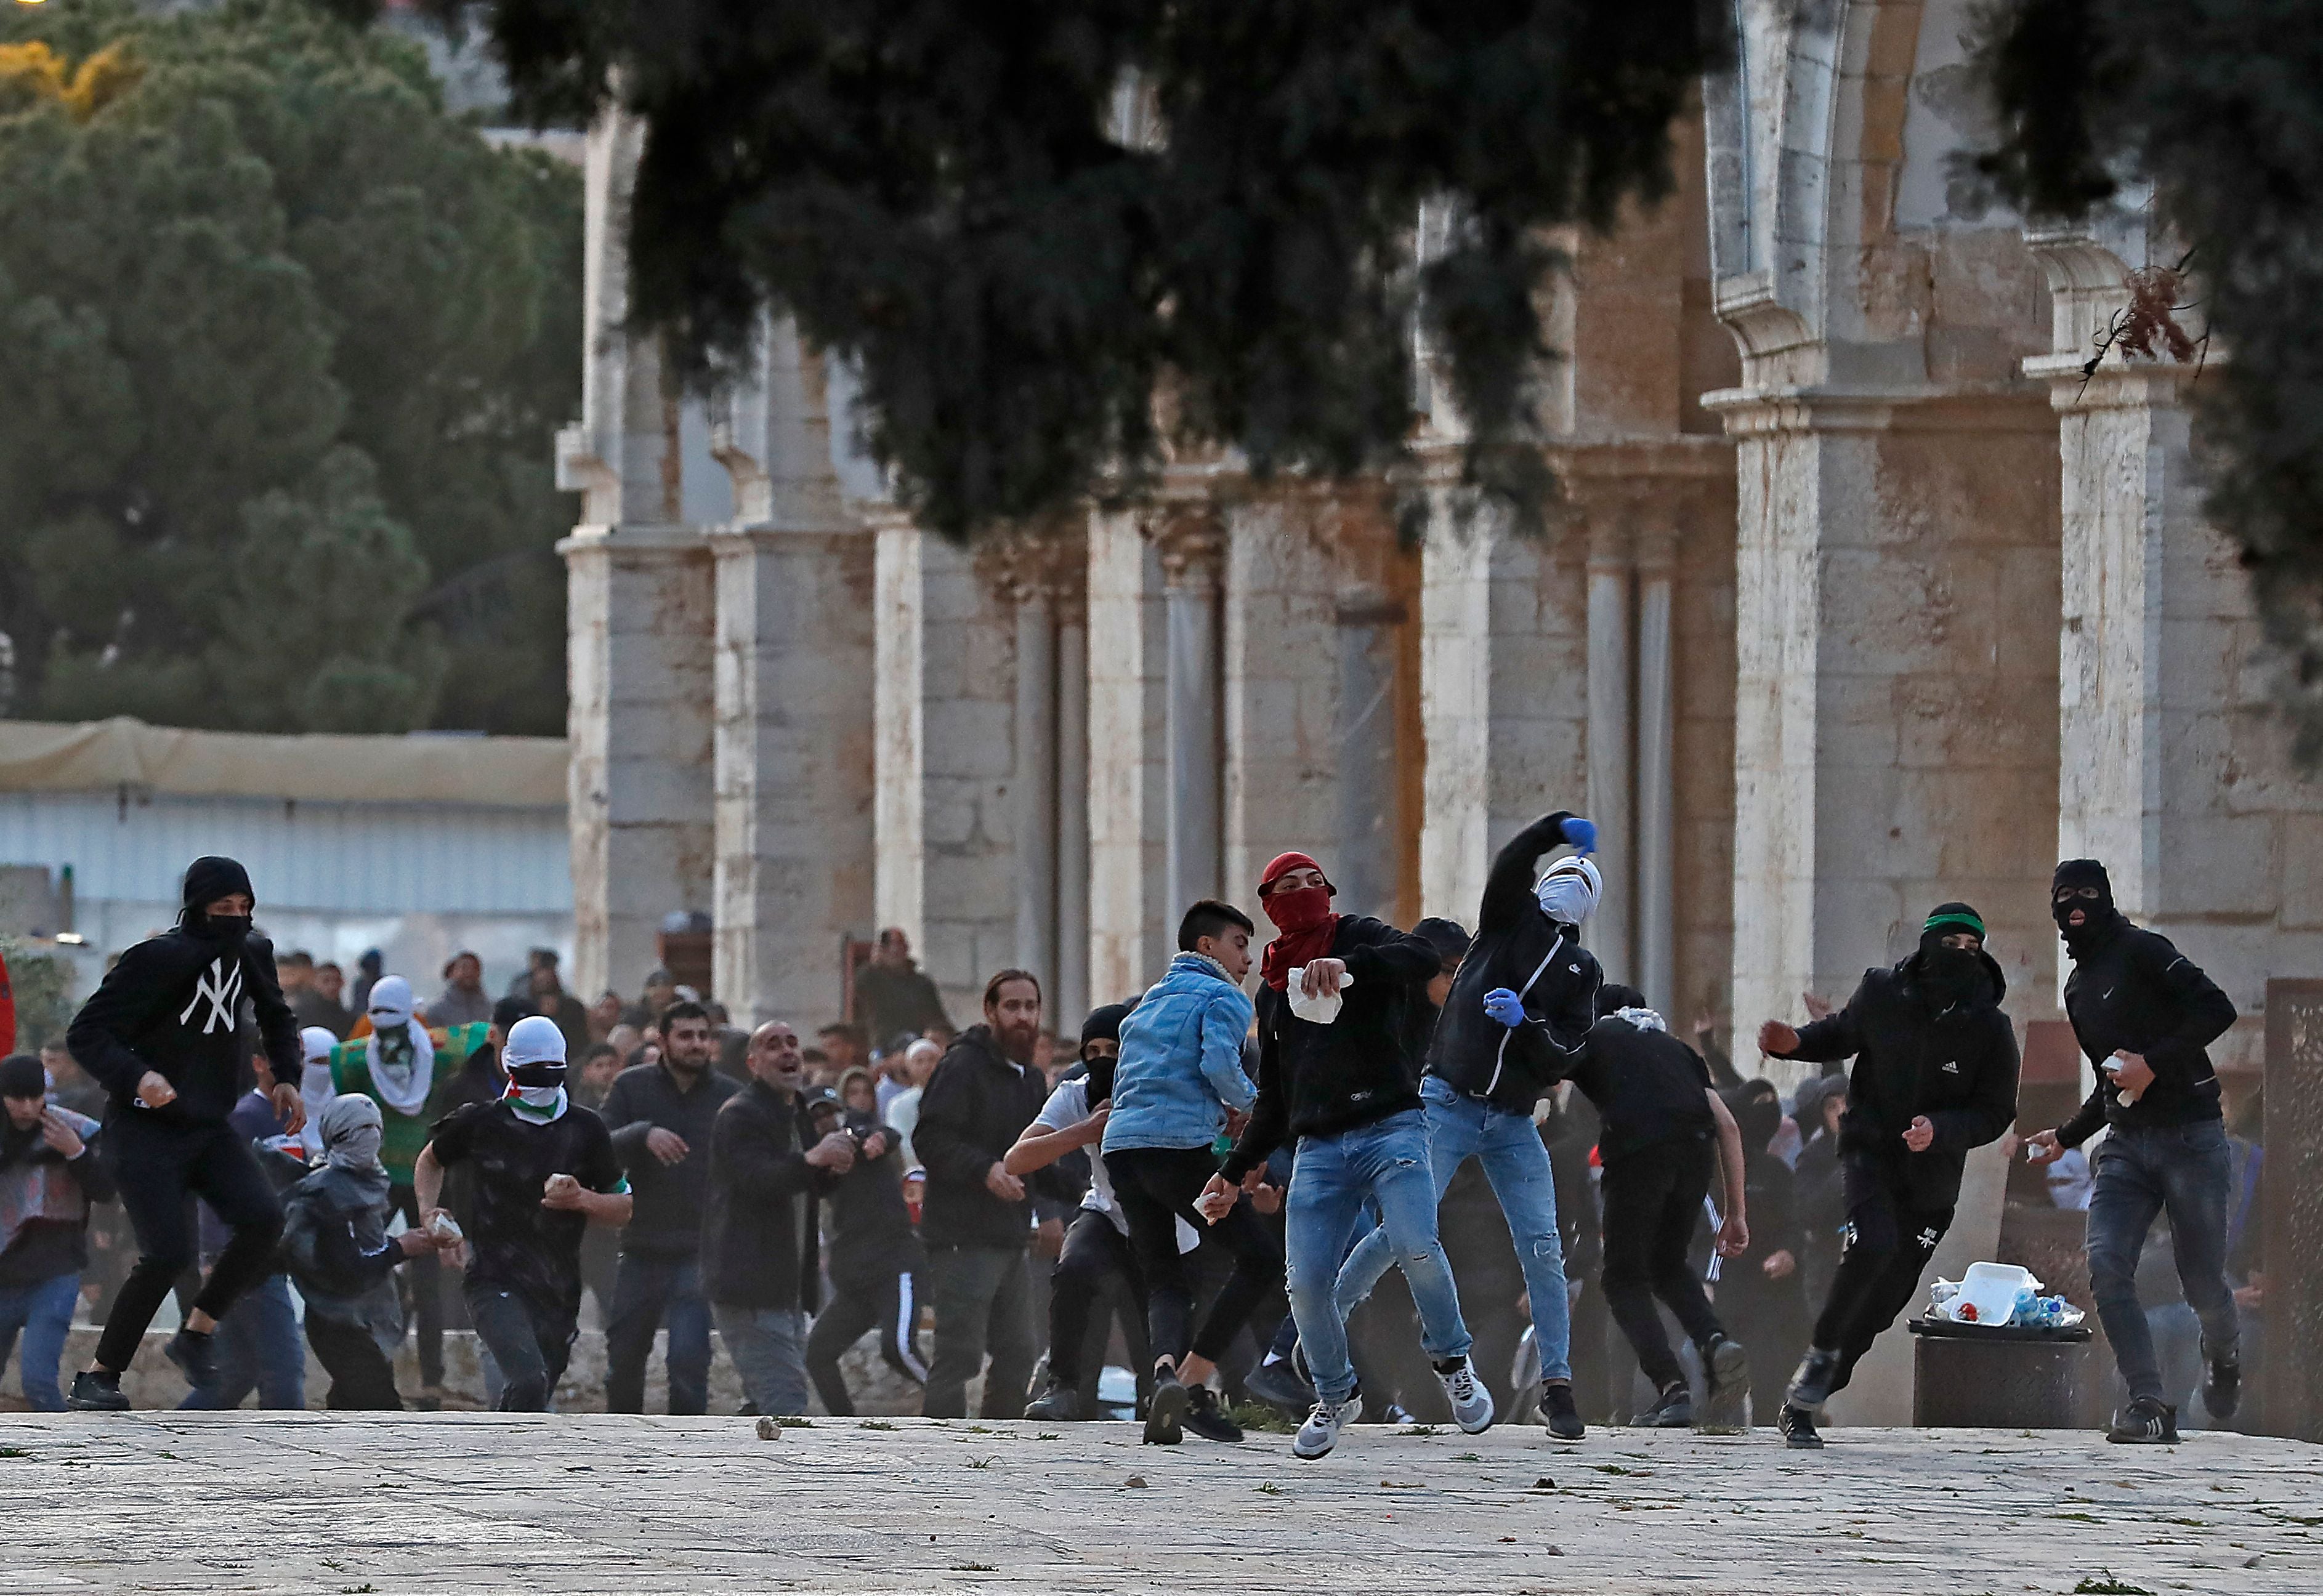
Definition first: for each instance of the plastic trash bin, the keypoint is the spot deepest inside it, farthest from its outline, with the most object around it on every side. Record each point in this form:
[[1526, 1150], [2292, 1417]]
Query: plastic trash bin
[[2000, 1376]]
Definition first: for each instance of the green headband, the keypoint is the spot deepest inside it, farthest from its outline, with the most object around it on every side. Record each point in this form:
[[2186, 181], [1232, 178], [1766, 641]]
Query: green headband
[[1967, 923]]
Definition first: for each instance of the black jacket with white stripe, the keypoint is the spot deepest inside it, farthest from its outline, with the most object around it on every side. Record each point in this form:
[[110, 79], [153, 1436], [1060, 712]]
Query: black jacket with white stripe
[[173, 1006], [1519, 948]]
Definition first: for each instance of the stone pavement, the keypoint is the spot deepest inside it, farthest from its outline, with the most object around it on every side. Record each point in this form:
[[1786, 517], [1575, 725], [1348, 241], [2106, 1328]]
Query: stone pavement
[[311, 1503]]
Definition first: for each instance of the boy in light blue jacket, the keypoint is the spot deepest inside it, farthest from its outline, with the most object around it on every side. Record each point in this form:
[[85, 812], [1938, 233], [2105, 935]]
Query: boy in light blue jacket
[[1179, 1075]]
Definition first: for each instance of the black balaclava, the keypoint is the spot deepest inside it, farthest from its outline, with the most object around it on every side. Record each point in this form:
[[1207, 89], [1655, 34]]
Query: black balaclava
[[1758, 1110], [207, 879], [21, 1075], [1103, 1025], [1952, 976], [1449, 938], [2099, 911]]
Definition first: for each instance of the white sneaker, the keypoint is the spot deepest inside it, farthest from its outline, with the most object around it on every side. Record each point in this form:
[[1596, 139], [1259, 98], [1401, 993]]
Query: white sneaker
[[1320, 1433], [1472, 1404]]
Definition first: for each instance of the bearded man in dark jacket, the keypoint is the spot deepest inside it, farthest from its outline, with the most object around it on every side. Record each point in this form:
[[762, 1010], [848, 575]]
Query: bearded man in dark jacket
[[2145, 1015], [1936, 1075], [161, 1036]]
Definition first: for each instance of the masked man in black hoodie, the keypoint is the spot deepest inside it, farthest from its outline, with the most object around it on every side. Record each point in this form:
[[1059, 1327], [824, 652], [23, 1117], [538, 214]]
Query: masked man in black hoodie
[[2146, 1014], [1935, 1074], [160, 1035]]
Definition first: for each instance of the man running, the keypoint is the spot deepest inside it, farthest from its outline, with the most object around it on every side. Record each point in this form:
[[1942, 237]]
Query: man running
[[1936, 1075], [160, 1035], [1663, 1129], [1348, 1088], [545, 1170], [1517, 1013], [1178, 1077], [2146, 1014], [1096, 1249], [406, 1068]]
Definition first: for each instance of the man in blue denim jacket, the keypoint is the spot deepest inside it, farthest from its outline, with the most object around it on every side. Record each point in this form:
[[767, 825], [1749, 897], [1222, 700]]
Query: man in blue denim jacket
[[1179, 1077]]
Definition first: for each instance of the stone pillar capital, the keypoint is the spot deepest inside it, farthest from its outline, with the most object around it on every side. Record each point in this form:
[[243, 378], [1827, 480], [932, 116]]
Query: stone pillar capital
[[1046, 563], [1190, 539]]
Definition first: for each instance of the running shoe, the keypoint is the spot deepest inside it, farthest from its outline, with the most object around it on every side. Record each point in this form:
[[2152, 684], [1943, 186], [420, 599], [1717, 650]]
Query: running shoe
[[1471, 1403], [2222, 1392], [97, 1393], [1278, 1385], [196, 1357], [1558, 1411], [1320, 1433], [1206, 1418], [1060, 1404], [1672, 1410], [1165, 1415], [2147, 1421], [1798, 1427]]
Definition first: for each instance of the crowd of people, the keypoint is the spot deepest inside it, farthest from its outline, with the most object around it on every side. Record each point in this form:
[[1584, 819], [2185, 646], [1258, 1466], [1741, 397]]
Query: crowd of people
[[1231, 1177]]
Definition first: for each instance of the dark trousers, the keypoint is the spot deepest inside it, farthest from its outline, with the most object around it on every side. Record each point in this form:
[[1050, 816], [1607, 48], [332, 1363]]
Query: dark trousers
[[531, 1342], [983, 1301], [888, 1304], [1653, 1203], [2188, 1171], [1095, 1255], [1156, 1187], [1888, 1242], [424, 1280], [362, 1379], [158, 1164], [650, 1289]]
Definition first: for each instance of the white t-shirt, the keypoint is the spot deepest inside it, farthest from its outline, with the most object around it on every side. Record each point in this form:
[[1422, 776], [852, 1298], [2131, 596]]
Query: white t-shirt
[[1069, 1105]]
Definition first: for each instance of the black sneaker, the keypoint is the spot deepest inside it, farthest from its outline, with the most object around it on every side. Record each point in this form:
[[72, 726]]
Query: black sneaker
[[1165, 1416], [1674, 1411], [1798, 1427], [196, 1358], [93, 1392], [1207, 1418], [1811, 1386], [1278, 1385], [2222, 1393], [2148, 1421], [1558, 1411], [1060, 1404]]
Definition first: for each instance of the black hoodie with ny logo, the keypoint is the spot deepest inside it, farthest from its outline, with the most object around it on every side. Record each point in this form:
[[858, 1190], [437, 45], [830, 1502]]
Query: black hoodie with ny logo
[[171, 1005]]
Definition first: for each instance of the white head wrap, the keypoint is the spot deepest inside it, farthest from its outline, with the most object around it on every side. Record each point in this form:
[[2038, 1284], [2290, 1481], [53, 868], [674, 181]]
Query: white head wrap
[[402, 1085], [315, 1044], [1568, 894], [351, 1131]]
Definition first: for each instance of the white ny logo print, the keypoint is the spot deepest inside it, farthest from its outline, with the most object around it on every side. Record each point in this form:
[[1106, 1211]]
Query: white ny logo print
[[222, 986]]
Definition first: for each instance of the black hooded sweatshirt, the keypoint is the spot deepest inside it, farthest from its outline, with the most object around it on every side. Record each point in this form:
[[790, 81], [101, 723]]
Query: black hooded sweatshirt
[[1519, 948], [2131, 989], [171, 1006], [1957, 1064]]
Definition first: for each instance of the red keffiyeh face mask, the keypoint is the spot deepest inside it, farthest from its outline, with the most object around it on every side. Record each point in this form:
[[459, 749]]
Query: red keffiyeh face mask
[[1302, 914]]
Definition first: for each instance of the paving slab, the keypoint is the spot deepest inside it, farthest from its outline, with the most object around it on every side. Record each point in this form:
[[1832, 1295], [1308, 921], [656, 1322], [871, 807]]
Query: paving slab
[[251, 1502]]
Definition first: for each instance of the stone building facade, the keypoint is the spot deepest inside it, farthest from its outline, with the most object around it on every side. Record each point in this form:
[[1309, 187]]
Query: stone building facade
[[1859, 595]]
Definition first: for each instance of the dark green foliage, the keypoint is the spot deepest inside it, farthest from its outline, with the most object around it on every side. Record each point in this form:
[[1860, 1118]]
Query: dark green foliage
[[935, 190], [2218, 104], [285, 346]]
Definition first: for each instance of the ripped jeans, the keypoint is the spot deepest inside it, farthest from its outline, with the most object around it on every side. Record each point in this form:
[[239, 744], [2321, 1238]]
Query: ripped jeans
[[1516, 1163], [1386, 1160]]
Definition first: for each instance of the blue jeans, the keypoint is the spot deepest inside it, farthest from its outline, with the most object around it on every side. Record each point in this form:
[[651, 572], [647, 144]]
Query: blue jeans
[[1387, 1159], [259, 1349], [768, 1347], [2188, 1171], [1516, 1162], [44, 1311], [647, 1289]]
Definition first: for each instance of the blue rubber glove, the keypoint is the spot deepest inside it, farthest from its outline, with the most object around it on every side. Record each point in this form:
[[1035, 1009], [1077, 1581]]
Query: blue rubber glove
[[1582, 834], [1504, 1006]]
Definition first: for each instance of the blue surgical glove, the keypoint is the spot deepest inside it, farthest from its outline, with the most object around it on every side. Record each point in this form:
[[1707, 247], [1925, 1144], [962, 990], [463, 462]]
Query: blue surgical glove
[[1504, 1006], [1581, 833]]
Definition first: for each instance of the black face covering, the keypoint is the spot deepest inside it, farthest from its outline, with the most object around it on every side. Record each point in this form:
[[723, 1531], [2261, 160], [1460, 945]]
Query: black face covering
[[2098, 914], [1100, 1079], [207, 879], [538, 1074], [1951, 976], [1758, 1115]]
